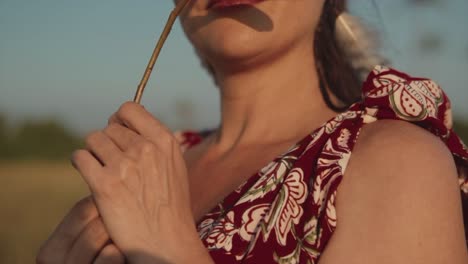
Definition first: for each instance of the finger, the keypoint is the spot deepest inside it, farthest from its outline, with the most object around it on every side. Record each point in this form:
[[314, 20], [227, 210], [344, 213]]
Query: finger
[[134, 116], [89, 243], [103, 148], [122, 136], [60, 242], [87, 166], [110, 254], [113, 119]]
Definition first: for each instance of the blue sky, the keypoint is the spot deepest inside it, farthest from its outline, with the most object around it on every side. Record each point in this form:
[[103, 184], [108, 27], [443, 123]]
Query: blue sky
[[77, 61]]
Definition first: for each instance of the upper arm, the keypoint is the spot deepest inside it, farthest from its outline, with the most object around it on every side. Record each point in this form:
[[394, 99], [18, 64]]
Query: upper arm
[[399, 201]]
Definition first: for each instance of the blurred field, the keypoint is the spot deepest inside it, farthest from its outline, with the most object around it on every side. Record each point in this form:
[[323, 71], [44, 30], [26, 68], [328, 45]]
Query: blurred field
[[34, 197]]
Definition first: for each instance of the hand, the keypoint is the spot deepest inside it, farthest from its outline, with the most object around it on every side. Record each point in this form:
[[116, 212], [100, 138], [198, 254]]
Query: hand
[[138, 178], [80, 238]]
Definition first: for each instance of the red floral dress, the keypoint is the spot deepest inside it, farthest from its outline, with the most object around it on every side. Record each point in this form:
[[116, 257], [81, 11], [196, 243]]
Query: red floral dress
[[285, 213]]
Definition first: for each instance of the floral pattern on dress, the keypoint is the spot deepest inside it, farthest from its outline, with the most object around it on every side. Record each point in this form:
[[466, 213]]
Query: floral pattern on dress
[[286, 212], [270, 177], [218, 234], [286, 209], [410, 99]]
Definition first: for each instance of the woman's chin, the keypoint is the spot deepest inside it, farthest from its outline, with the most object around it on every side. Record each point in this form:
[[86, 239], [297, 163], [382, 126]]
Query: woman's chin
[[235, 43]]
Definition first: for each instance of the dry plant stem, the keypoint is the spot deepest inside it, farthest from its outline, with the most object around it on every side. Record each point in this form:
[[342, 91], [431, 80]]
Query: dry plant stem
[[167, 29]]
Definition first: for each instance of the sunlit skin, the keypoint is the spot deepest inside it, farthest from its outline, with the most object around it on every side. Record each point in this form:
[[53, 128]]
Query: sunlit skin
[[251, 49], [146, 193]]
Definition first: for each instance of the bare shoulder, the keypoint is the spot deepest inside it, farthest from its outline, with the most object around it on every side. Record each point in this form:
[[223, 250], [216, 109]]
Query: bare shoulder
[[389, 145], [399, 201]]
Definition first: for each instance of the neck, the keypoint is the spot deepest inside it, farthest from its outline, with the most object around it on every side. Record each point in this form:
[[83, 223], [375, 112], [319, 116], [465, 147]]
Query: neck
[[278, 101]]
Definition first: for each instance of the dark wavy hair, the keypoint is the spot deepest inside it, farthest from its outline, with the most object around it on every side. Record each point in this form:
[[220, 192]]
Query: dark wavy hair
[[335, 73]]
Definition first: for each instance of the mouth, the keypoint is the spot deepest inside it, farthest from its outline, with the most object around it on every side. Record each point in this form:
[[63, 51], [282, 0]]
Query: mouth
[[218, 4]]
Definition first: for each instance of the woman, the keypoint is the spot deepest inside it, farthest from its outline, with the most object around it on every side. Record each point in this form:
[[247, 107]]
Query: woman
[[276, 182]]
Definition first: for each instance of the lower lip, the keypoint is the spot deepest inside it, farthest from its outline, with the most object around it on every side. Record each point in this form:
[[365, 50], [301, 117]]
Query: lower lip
[[232, 3]]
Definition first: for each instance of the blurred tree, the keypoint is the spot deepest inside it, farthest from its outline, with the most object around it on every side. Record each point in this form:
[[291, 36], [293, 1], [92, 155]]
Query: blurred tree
[[4, 149], [42, 140], [430, 42]]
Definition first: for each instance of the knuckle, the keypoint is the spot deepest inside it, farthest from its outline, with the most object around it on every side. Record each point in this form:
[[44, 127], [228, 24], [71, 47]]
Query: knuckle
[[42, 256], [110, 128], [174, 142], [92, 137], [127, 107], [126, 163], [77, 155], [66, 238], [112, 119], [47, 255], [40, 259], [84, 209], [83, 204], [167, 141], [111, 254], [74, 158], [147, 147], [97, 231]]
